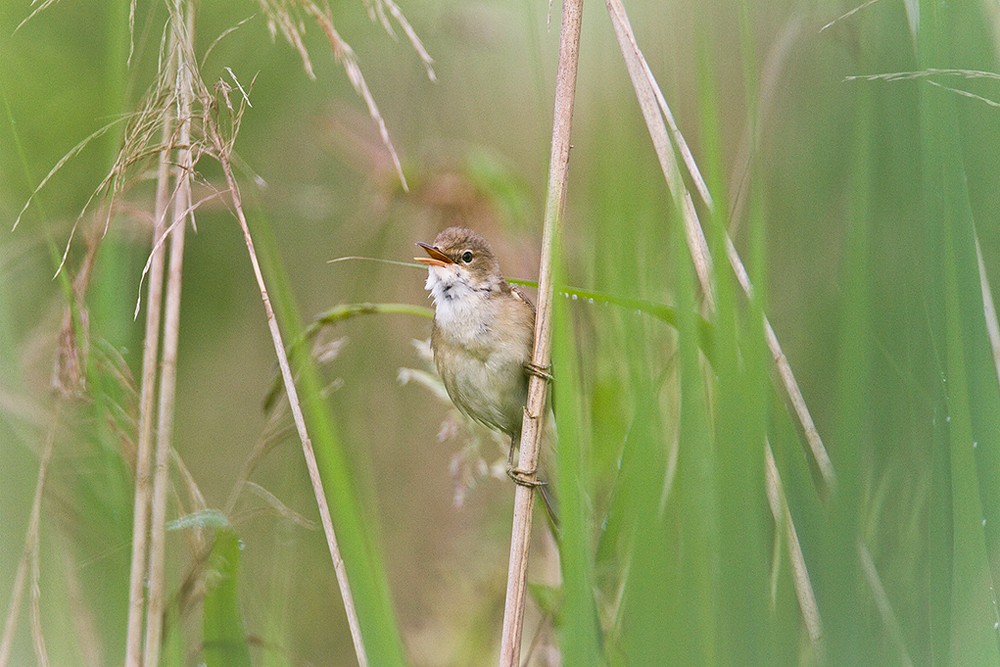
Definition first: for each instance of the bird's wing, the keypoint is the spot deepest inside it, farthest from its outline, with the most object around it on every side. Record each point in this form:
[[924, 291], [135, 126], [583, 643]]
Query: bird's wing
[[519, 294]]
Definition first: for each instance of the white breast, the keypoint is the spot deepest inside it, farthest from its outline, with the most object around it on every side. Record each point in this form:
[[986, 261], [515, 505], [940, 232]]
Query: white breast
[[463, 312]]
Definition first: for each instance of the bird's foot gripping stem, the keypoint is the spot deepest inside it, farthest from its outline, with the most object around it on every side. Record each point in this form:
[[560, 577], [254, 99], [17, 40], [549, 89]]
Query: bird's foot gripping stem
[[525, 478], [543, 372]]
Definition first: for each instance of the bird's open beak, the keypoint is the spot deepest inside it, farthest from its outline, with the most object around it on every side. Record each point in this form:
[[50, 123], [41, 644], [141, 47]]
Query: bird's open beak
[[436, 258]]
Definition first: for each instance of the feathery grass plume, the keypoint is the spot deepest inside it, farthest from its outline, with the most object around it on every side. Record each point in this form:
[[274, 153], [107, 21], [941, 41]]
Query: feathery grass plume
[[179, 114], [928, 75]]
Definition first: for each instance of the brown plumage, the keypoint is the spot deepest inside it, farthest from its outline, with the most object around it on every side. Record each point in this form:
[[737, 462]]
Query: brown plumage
[[483, 330]]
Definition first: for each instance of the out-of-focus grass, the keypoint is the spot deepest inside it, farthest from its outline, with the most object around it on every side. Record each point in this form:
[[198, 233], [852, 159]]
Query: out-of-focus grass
[[862, 204]]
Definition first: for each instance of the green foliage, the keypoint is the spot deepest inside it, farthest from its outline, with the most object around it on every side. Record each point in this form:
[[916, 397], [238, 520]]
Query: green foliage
[[225, 638], [860, 207], [362, 554]]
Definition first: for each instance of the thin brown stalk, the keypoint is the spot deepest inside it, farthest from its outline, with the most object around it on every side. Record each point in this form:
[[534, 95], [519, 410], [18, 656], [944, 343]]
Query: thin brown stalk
[[143, 470], [344, 54], [798, 401], [37, 633], [787, 376], [650, 101], [29, 553], [555, 202], [222, 154], [184, 61], [778, 502]]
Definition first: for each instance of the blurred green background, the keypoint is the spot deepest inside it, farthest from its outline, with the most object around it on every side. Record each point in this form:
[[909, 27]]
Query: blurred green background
[[856, 205]]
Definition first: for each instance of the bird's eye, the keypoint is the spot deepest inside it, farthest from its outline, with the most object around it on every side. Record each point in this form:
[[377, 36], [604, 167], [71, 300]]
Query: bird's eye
[[467, 256]]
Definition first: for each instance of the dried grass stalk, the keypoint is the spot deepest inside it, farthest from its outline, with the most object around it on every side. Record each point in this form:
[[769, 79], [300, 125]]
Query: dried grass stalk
[[144, 453], [181, 110], [555, 202], [778, 502], [651, 101], [222, 154], [183, 25]]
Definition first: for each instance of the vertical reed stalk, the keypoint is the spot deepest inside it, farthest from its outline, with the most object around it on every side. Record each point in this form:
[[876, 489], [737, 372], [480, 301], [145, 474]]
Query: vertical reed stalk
[[555, 202], [150, 353], [183, 29]]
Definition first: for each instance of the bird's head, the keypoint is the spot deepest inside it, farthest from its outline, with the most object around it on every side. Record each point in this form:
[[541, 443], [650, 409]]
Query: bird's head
[[460, 264]]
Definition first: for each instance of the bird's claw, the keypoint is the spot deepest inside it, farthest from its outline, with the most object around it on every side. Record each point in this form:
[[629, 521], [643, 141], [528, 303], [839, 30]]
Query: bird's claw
[[525, 478], [543, 372]]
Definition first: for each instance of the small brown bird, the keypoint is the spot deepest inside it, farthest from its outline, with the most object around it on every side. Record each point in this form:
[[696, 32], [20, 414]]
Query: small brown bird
[[482, 336]]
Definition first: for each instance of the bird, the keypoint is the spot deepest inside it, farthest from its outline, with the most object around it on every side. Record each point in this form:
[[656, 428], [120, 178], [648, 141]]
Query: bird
[[482, 336]]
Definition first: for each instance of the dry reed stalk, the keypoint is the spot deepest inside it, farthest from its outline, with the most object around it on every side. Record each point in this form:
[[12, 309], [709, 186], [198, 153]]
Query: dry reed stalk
[[222, 154], [555, 202], [801, 582], [150, 353], [184, 61], [647, 91], [651, 101]]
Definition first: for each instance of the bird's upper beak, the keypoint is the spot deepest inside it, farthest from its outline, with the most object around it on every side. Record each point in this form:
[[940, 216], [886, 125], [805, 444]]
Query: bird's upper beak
[[436, 258]]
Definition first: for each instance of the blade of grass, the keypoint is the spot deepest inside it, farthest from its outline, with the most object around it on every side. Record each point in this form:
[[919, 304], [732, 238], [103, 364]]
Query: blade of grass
[[224, 635], [362, 556], [646, 93], [741, 387], [840, 582], [964, 572], [579, 631], [297, 414]]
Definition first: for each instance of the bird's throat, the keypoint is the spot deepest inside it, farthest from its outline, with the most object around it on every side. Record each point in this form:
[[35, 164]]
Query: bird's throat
[[463, 312]]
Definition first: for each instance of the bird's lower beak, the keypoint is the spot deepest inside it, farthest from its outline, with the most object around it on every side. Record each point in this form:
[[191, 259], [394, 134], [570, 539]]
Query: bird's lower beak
[[436, 258]]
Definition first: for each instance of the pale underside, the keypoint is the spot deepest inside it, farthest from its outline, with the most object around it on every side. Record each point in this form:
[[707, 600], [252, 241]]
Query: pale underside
[[481, 361]]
